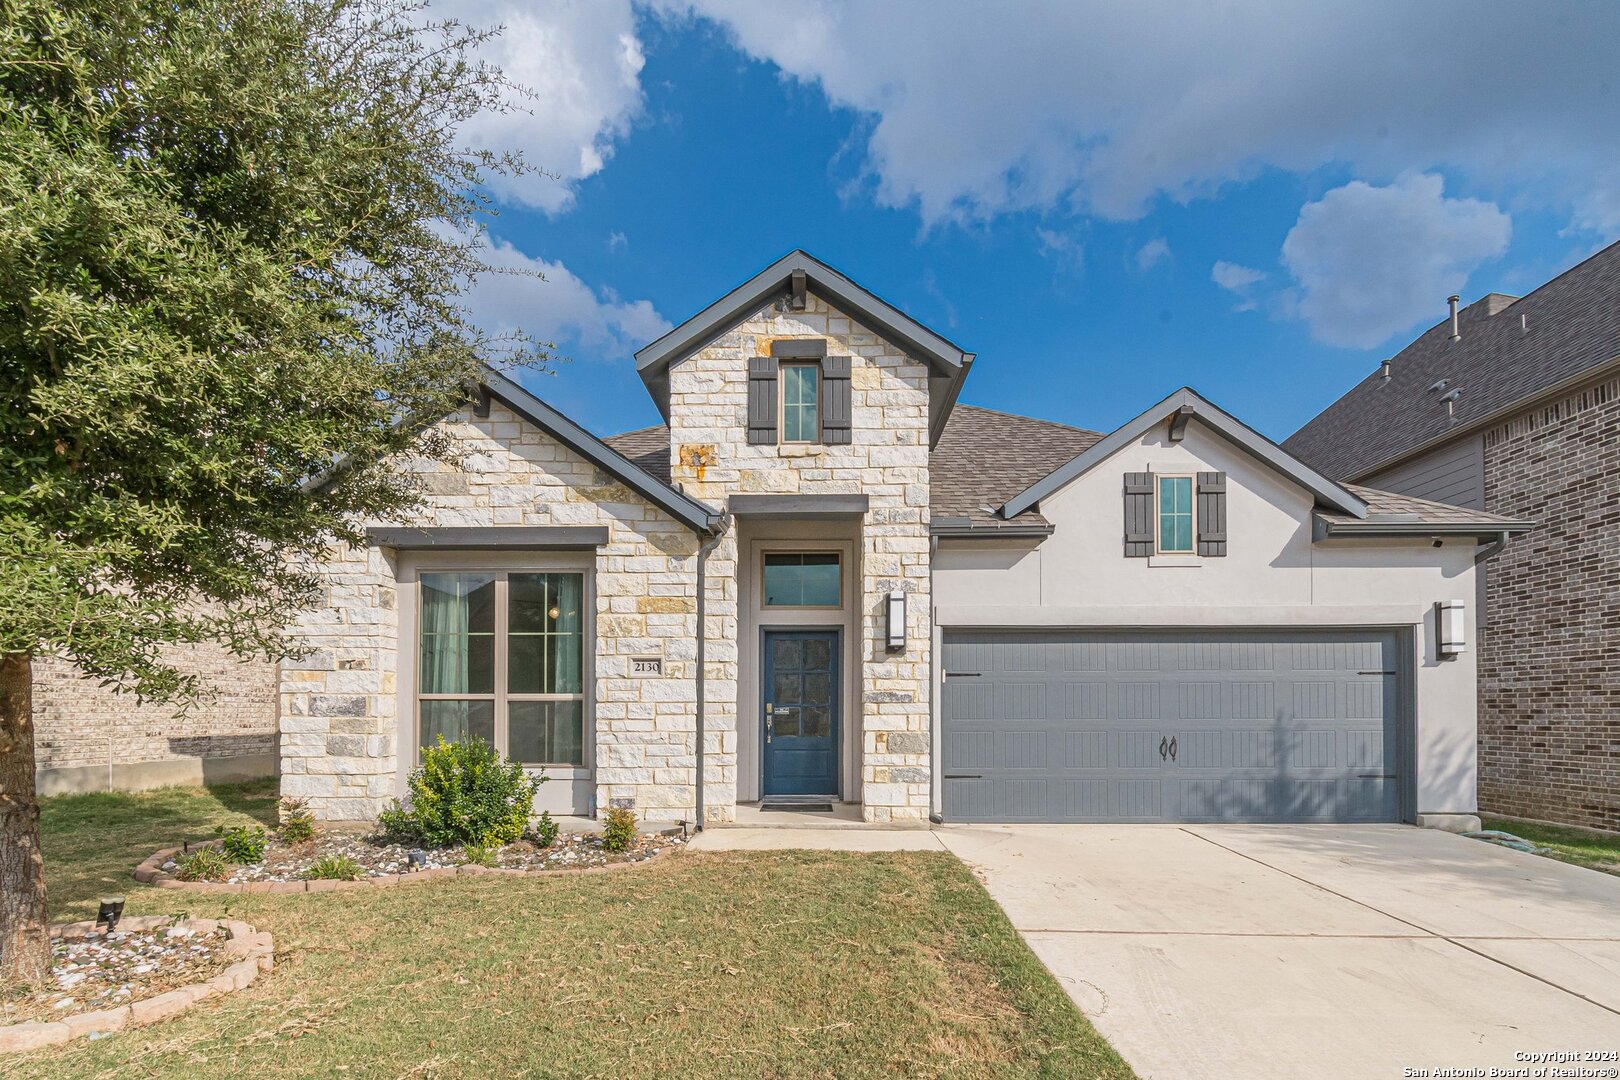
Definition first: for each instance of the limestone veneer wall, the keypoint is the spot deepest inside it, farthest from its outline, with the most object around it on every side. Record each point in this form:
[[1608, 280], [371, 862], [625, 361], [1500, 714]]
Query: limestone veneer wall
[[887, 459], [342, 735]]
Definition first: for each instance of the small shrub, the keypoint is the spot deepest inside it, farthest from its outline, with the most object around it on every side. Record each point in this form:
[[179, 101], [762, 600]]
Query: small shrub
[[297, 822], [619, 829], [462, 793], [203, 864], [334, 868], [544, 831], [243, 844], [480, 854]]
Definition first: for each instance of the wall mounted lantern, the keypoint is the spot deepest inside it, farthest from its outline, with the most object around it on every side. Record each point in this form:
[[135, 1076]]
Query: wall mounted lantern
[[896, 608], [1450, 629]]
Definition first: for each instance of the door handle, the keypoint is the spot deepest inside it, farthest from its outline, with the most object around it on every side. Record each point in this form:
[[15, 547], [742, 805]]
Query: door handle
[[1164, 748], [1172, 748]]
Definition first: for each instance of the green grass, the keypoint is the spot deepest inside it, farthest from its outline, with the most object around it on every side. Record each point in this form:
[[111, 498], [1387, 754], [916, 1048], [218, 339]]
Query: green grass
[[1599, 851], [768, 964]]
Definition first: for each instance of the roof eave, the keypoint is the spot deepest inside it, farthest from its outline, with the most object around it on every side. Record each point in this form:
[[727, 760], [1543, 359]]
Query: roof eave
[[1478, 529], [1217, 420]]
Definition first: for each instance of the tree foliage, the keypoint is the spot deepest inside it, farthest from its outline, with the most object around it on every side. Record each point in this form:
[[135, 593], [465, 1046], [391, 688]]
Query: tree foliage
[[233, 238]]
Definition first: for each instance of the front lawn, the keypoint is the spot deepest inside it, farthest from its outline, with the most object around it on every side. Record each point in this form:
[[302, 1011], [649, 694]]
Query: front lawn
[[1597, 851], [769, 964]]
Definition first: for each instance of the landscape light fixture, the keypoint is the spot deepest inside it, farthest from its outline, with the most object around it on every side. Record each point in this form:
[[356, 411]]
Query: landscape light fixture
[[1450, 629], [111, 910], [415, 859]]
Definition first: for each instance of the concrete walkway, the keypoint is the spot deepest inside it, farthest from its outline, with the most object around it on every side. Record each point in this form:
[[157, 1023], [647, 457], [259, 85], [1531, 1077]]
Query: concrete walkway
[[1290, 951]]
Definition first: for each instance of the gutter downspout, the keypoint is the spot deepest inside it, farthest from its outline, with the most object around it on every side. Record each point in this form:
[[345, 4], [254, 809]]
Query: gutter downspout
[[1492, 549], [717, 533]]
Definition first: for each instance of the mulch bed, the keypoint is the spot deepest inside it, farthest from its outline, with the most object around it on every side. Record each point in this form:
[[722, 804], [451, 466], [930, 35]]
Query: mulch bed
[[286, 867], [150, 968], [100, 970]]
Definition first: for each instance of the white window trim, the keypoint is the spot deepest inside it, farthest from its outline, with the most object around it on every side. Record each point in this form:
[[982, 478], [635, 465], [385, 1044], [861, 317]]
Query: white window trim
[[1181, 555], [781, 403], [411, 565], [843, 578]]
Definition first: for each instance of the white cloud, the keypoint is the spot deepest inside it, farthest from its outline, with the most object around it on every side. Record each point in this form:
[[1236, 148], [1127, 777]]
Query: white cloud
[[583, 62], [1103, 107], [562, 309], [1371, 262], [1061, 247], [1152, 253], [1238, 280]]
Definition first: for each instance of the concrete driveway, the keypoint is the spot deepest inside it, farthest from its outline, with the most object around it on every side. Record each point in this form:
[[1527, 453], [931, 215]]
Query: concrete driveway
[[1311, 951]]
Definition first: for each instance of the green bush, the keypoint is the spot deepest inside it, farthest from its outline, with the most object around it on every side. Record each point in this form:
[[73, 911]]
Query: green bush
[[462, 793], [243, 844], [203, 864], [333, 868], [544, 832], [297, 823], [619, 829]]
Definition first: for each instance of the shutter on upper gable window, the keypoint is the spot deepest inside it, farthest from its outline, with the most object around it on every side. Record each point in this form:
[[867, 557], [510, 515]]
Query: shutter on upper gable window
[[762, 399], [1138, 515], [1212, 514], [835, 405]]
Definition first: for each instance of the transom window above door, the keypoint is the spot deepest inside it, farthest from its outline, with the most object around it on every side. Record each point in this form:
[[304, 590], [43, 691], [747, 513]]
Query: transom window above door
[[803, 579], [501, 659]]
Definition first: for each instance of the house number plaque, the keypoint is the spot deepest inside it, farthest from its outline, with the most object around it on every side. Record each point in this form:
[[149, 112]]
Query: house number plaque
[[647, 667]]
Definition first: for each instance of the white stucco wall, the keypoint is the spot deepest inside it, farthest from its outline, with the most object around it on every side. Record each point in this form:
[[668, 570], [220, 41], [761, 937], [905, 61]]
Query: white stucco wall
[[1272, 576]]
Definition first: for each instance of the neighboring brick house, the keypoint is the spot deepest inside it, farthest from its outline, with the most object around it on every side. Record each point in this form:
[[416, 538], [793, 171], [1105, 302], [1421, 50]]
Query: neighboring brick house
[[88, 738], [1513, 407], [824, 581]]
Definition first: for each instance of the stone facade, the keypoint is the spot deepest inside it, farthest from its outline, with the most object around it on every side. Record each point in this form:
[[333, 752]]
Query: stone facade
[[341, 730], [88, 738], [1549, 720], [887, 460]]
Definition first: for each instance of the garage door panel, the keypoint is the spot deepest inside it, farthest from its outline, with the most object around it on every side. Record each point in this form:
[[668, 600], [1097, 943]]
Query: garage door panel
[[1279, 727]]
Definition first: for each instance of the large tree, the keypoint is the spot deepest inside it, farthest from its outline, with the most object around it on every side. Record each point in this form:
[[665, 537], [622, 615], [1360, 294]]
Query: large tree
[[233, 234]]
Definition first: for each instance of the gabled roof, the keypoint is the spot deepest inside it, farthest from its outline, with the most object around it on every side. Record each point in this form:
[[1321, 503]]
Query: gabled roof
[[1328, 494], [986, 457], [1389, 514], [1512, 351], [680, 506], [947, 362]]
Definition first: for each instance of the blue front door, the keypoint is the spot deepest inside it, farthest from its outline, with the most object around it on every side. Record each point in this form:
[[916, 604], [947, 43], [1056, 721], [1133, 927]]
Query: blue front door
[[800, 712]]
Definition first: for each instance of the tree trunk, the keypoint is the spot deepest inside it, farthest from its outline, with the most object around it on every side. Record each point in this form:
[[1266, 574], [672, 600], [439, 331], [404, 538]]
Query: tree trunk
[[25, 944]]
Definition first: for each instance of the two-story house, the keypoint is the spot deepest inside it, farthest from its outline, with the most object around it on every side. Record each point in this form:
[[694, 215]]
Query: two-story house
[[1512, 405], [824, 579]]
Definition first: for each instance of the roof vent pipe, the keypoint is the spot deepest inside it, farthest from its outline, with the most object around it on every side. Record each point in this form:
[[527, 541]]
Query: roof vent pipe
[[1383, 371], [1524, 324], [1456, 332]]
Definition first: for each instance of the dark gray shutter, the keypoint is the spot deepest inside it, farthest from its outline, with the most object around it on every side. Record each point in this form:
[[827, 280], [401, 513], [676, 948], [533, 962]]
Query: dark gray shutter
[[1138, 515], [762, 399], [835, 400], [1212, 514]]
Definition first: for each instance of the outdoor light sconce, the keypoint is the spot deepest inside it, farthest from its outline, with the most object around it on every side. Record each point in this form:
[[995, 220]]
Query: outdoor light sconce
[[1450, 635], [896, 609], [111, 910]]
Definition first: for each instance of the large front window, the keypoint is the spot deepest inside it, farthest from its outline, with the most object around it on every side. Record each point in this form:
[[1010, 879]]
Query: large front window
[[502, 660]]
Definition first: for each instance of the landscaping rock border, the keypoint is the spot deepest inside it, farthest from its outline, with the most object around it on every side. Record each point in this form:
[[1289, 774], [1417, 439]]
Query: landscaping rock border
[[254, 950], [148, 873]]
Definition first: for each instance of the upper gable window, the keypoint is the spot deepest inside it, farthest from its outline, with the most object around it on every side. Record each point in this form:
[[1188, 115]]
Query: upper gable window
[[801, 402], [1175, 515]]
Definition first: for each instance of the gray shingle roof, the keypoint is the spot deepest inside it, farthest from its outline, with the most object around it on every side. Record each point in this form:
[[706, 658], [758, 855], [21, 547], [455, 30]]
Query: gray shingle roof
[[1389, 505], [1573, 325], [982, 459]]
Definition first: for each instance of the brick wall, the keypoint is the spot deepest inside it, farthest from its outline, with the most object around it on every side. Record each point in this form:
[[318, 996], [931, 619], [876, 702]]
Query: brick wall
[[81, 728], [1549, 663]]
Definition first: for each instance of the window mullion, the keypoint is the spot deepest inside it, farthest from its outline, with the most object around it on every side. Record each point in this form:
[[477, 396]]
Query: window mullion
[[501, 585]]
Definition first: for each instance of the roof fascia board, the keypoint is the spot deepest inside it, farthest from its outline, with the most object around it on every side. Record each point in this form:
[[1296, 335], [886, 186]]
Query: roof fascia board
[[1421, 528], [992, 532], [829, 283], [1595, 374], [682, 507], [1221, 423]]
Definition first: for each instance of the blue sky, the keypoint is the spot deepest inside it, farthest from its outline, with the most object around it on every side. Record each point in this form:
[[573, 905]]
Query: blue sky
[[1257, 200]]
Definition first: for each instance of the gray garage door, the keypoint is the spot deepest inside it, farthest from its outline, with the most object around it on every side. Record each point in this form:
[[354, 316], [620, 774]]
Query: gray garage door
[[1120, 726]]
